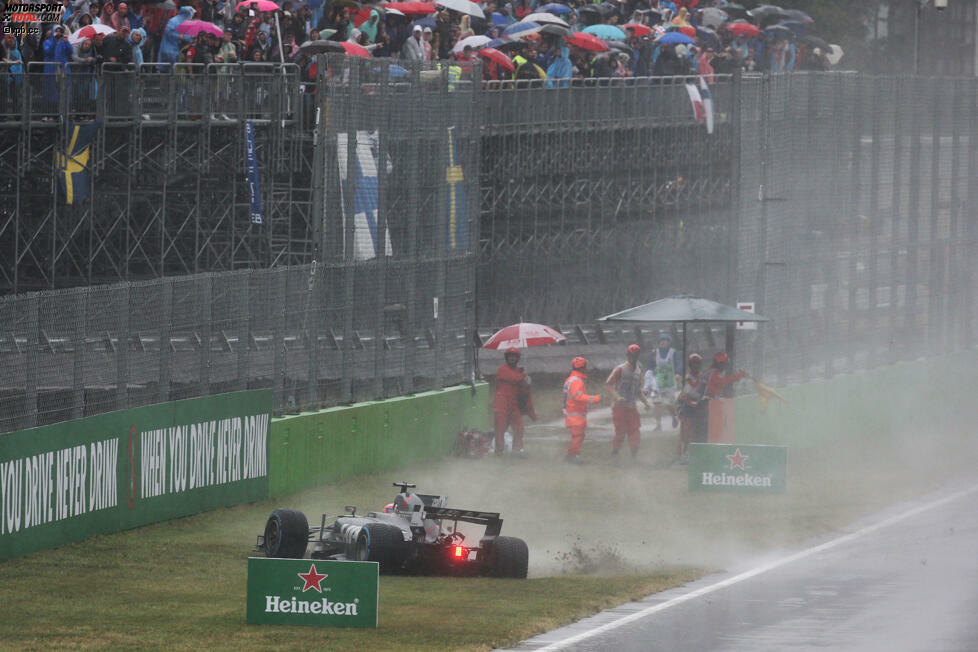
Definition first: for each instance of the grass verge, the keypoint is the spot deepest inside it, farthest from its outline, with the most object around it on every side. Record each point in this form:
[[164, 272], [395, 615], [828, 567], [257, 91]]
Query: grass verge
[[599, 535]]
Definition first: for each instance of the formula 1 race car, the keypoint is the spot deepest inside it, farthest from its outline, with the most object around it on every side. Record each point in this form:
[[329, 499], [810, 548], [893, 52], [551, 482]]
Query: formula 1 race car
[[415, 534]]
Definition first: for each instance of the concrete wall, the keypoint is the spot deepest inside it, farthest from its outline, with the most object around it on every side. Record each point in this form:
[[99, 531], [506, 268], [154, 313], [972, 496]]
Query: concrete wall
[[317, 447]]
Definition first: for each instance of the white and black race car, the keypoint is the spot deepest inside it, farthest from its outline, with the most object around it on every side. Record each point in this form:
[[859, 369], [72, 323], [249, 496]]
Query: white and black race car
[[415, 534]]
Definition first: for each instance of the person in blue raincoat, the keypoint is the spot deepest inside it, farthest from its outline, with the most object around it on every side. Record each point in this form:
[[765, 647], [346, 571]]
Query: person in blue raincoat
[[170, 44], [57, 50], [561, 70]]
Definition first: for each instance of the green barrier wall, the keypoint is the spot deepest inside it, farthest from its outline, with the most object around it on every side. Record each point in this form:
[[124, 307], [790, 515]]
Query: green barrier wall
[[906, 395], [313, 448], [70, 481]]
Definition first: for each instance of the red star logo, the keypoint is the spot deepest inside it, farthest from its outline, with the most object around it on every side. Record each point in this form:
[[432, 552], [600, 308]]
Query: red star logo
[[312, 579], [737, 460]]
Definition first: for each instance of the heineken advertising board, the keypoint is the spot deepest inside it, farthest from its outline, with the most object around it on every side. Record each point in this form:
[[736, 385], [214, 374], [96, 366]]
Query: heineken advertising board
[[69, 481], [312, 592], [738, 468]]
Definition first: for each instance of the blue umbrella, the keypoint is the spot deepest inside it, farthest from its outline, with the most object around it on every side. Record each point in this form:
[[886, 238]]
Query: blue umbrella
[[500, 20], [427, 21], [521, 29], [609, 32], [555, 8], [674, 37]]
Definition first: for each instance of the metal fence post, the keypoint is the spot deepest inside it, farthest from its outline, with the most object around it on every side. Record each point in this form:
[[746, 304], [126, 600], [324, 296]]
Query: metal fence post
[[279, 281], [78, 354], [913, 228], [244, 333], [971, 230], [936, 324], [166, 328], [852, 219], [33, 342], [122, 347], [205, 291], [874, 229]]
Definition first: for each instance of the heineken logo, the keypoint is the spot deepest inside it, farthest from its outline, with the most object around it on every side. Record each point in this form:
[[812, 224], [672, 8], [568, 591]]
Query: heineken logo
[[737, 460], [348, 599], [275, 604], [312, 580], [741, 468], [740, 480]]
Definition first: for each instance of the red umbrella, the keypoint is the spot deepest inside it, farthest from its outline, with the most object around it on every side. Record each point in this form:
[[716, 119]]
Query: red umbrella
[[355, 49], [638, 29], [348, 47], [492, 54], [587, 42], [688, 30], [742, 29], [523, 335], [411, 8]]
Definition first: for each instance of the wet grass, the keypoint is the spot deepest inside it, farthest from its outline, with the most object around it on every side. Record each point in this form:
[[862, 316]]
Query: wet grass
[[599, 535]]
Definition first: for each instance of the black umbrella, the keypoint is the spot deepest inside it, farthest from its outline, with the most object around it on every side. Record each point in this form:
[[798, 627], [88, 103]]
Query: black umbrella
[[684, 309], [797, 14], [815, 42], [765, 15], [556, 30], [735, 11], [506, 43], [607, 9], [310, 48], [590, 15]]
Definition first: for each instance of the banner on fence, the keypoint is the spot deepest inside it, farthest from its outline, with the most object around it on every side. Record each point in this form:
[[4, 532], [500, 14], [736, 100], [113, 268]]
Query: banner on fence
[[738, 468], [312, 592], [254, 182], [367, 241], [69, 481]]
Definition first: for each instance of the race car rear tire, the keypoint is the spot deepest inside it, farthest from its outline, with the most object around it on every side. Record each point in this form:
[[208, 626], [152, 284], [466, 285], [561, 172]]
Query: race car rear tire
[[286, 534], [381, 543], [508, 557]]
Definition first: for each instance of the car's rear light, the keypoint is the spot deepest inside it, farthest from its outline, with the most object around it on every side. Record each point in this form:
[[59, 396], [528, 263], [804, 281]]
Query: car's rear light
[[460, 552]]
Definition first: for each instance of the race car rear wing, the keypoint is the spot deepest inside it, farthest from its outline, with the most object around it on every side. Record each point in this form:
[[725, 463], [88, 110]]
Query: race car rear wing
[[490, 519]]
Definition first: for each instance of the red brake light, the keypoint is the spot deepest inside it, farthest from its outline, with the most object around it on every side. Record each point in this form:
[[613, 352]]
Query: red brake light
[[459, 552]]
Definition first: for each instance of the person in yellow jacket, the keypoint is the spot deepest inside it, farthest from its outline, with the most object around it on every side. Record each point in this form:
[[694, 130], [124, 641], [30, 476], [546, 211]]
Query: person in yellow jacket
[[526, 69], [576, 402]]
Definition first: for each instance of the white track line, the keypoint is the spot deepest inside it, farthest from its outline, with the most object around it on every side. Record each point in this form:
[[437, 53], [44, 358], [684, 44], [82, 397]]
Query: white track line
[[692, 595]]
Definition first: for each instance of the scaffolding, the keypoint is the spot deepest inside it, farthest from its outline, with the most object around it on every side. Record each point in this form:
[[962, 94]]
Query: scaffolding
[[169, 192]]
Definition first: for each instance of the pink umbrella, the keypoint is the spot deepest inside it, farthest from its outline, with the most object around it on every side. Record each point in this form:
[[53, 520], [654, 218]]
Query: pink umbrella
[[522, 336], [89, 31], [195, 27], [263, 5]]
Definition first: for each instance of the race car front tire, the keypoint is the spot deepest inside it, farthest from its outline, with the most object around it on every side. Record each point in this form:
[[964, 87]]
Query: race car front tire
[[286, 534], [381, 543], [508, 557]]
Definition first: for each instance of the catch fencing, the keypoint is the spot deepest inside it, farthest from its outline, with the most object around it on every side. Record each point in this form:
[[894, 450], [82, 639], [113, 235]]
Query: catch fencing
[[374, 316], [843, 205]]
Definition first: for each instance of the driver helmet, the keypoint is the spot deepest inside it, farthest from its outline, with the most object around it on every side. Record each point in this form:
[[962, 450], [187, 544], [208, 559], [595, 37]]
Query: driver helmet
[[406, 503], [389, 508]]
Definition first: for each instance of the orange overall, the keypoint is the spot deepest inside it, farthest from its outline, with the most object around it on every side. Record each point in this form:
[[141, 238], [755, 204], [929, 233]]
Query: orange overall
[[576, 401]]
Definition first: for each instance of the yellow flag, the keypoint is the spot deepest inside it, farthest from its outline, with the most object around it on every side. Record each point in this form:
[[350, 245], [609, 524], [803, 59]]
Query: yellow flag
[[765, 394]]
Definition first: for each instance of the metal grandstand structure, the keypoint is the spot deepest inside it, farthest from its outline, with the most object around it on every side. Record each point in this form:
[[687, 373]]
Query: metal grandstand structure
[[169, 195], [843, 205]]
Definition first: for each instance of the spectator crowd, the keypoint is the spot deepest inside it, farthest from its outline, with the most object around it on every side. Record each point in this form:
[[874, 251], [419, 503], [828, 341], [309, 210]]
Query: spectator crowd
[[552, 44]]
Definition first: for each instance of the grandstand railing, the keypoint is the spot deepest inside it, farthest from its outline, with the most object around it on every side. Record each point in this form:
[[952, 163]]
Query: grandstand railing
[[119, 94]]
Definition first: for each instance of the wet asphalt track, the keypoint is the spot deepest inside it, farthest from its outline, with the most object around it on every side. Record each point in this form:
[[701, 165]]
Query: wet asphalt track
[[905, 580]]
